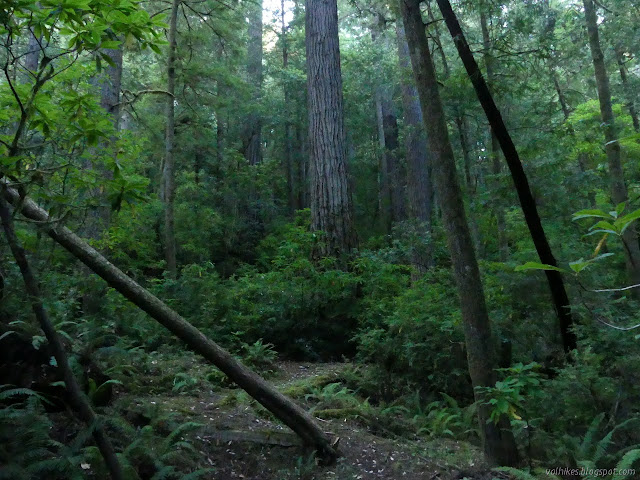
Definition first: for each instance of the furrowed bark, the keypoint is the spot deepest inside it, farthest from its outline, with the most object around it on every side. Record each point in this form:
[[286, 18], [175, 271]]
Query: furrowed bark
[[281, 406], [79, 402], [498, 441], [252, 135], [527, 202], [619, 192], [331, 203]]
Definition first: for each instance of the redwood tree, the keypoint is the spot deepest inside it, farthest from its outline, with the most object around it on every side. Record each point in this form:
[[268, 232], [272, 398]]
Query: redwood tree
[[499, 444], [252, 141], [331, 204]]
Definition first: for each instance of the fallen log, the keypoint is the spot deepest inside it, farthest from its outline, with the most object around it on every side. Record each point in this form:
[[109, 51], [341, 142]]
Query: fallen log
[[282, 407], [281, 439]]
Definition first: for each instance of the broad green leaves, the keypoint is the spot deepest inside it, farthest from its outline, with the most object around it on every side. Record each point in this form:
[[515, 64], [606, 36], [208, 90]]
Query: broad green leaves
[[537, 266], [611, 223]]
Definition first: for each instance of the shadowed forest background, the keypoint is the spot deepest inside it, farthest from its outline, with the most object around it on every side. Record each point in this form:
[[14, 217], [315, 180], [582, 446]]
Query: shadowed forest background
[[270, 239]]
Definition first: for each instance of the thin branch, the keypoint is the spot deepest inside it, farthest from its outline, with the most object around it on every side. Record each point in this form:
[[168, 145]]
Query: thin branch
[[617, 289], [623, 329]]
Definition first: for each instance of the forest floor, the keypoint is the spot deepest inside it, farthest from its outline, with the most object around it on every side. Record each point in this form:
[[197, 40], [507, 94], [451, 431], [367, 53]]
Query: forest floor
[[241, 440]]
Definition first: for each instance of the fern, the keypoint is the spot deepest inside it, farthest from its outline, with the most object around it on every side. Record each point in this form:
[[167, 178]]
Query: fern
[[516, 473], [16, 392], [198, 474], [179, 432], [625, 463], [604, 444], [584, 449], [164, 472]]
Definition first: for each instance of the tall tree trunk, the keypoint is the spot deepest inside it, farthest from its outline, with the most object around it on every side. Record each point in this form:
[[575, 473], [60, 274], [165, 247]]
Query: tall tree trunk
[[292, 180], [582, 159], [395, 171], [78, 400], [281, 406], [496, 166], [461, 126], [252, 141], [169, 174], [499, 444], [471, 182], [521, 183], [111, 84], [220, 137], [98, 219], [331, 204], [627, 88], [547, 39], [392, 175], [419, 182], [612, 146], [384, 187], [33, 54]]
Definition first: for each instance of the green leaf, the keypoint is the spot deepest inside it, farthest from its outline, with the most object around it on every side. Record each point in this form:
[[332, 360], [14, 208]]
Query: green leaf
[[111, 44], [604, 225], [624, 222], [581, 264], [589, 214], [537, 266]]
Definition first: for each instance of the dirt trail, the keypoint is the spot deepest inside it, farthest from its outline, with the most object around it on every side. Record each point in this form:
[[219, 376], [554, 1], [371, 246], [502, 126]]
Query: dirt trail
[[241, 440]]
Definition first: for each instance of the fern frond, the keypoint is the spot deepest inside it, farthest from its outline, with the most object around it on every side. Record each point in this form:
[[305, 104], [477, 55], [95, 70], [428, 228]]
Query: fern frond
[[14, 392], [180, 431], [164, 473], [517, 473], [199, 473], [588, 441], [626, 463]]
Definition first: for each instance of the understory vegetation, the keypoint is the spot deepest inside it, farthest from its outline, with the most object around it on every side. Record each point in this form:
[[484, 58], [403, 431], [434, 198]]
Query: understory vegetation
[[186, 142]]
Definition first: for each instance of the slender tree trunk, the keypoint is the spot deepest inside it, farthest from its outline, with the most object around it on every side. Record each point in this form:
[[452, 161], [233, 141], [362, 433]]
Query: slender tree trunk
[[331, 204], [98, 219], [419, 181], [582, 159], [252, 141], [499, 444], [281, 406], [111, 85], [169, 174], [79, 402], [612, 146], [292, 180], [561, 97], [496, 166], [392, 174], [395, 172], [220, 137], [627, 88], [466, 155], [527, 202], [384, 187], [33, 54], [547, 39]]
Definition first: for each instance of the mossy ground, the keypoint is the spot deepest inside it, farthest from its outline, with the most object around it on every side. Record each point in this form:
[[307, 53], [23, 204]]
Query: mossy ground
[[185, 389]]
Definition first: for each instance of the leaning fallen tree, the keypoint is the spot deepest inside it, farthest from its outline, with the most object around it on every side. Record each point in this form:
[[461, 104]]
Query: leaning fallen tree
[[282, 407]]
